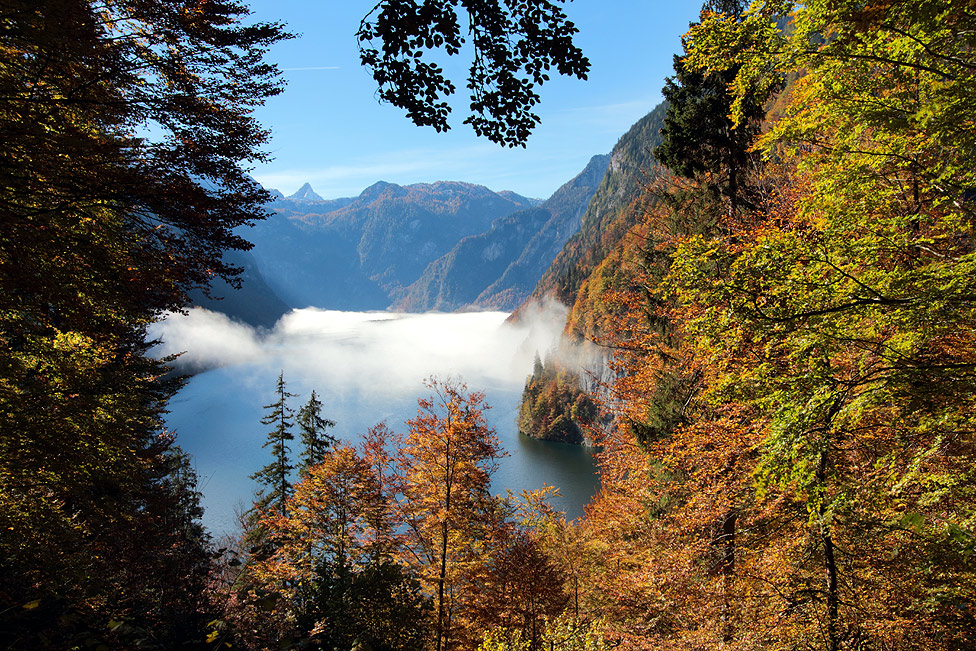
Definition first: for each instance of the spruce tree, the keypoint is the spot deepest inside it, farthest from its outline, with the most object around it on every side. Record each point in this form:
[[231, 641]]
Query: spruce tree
[[312, 428], [698, 135], [536, 366], [275, 476]]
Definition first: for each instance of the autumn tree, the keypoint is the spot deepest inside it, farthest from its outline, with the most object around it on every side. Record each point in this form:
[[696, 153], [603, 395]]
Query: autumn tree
[[839, 318], [124, 127], [563, 634], [676, 468], [331, 576], [521, 587], [443, 470]]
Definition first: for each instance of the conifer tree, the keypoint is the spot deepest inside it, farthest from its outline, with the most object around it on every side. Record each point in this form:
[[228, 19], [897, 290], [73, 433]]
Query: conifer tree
[[699, 137], [275, 476], [312, 429]]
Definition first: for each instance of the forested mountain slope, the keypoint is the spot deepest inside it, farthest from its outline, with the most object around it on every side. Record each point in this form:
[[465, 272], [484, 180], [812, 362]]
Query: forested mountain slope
[[790, 324], [611, 210]]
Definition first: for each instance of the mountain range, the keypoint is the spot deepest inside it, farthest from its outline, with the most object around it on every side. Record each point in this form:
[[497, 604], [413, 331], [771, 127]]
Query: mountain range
[[429, 246], [446, 246], [498, 268]]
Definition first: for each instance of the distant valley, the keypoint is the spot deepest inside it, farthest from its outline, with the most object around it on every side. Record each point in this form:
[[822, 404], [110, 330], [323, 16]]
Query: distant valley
[[445, 246]]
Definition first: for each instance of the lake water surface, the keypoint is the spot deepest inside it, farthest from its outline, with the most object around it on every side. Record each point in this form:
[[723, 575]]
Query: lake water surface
[[367, 368]]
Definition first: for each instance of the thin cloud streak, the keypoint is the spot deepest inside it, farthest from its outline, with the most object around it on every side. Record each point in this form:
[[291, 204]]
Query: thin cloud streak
[[402, 167]]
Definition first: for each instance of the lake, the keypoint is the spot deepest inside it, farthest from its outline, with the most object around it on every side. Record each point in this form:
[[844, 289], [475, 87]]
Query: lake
[[366, 368]]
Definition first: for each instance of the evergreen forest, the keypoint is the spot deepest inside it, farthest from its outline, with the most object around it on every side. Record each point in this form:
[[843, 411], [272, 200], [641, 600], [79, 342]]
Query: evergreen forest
[[786, 298]]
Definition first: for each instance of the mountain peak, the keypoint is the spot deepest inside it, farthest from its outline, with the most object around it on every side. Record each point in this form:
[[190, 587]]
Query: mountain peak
[[377, 189], [306, 193]]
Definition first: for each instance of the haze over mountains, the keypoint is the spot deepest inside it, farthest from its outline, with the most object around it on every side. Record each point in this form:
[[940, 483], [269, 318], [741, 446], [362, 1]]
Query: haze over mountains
[[499, 268], [445, 246]]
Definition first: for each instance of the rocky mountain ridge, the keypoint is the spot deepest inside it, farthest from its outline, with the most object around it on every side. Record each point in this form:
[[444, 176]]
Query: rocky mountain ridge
[[499, 267], [444, 246]]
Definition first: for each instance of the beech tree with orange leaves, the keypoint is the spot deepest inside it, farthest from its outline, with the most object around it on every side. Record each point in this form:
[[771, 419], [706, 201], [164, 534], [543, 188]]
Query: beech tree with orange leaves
[[852, 297], [333, 578], [443, 468]]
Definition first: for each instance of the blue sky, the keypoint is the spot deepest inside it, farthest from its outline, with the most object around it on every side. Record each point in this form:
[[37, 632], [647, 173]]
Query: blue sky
[[330, 130]]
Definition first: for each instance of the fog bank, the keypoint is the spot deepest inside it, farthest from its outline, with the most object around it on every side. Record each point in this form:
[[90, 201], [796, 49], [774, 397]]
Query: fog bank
[[367, 368], [376, 352]]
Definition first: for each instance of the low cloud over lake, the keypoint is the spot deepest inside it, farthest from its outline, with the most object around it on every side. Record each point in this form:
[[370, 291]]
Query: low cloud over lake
[[367, 367]]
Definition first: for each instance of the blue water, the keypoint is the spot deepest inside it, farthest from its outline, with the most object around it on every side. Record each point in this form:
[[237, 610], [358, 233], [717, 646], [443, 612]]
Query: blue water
[[364, 377]]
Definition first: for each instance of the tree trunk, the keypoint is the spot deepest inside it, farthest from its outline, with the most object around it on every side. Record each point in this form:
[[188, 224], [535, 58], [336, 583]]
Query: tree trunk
[[727, 542], [442, 578], [733, 186], [830, 564]]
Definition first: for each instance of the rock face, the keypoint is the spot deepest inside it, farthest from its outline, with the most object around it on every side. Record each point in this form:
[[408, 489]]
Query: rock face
[[305, 193], [553, 403], [611, 212]]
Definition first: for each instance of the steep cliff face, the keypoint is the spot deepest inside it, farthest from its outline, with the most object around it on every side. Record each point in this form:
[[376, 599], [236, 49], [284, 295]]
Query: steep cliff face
[[456, 279], [254, 303], [611, 212], [592, 260], [567, 207]]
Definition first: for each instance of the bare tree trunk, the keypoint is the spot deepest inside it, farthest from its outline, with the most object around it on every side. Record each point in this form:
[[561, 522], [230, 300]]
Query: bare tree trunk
[[733, 186], [441, 580], [727, 542]]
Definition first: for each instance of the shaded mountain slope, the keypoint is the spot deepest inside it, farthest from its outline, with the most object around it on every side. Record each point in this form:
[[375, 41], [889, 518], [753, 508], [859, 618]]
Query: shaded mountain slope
[[611, 212], [356, 253], [254, 303], [498, 268]]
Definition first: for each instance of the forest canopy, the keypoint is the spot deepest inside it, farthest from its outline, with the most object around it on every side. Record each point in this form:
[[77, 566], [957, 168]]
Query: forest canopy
[[787, 429], [794, 353], [125, 126]]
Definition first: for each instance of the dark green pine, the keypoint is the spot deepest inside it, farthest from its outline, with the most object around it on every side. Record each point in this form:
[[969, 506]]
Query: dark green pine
[[312, 429], [275, 477]]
